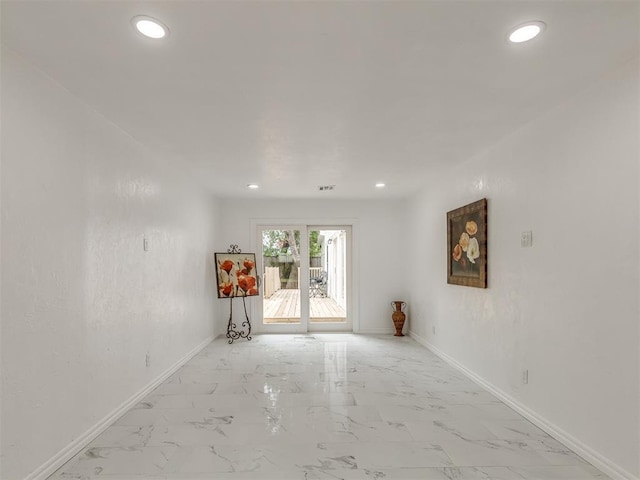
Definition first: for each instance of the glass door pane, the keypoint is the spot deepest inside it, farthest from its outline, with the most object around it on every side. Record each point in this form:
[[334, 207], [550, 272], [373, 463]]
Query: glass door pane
[[328, 275], [281, 286]]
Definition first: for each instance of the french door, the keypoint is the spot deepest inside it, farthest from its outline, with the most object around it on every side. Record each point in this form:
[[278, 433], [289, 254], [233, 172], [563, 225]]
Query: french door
[[306, 278]]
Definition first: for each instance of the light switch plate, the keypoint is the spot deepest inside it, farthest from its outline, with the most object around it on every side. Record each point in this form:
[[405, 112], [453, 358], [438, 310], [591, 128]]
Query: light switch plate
[[526, 239]]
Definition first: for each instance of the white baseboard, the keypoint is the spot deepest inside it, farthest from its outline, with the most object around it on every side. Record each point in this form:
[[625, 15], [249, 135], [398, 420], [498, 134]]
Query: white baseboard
[[589, 454], [64, 455], [376, 331]]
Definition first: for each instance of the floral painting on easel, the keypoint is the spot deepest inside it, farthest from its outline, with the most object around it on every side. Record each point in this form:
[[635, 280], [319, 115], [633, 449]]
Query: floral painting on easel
[[467, 245], [236, 275]]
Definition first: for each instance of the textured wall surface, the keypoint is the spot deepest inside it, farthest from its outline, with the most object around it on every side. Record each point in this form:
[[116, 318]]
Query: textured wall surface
[[83, 303], [567, 308], [379, 238]]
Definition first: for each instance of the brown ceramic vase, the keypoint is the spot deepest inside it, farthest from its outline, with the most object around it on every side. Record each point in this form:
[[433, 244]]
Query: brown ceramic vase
[[398, 316]]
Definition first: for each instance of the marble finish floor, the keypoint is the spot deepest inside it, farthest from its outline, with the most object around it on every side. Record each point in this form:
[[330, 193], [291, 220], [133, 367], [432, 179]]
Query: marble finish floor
[[323, 407]]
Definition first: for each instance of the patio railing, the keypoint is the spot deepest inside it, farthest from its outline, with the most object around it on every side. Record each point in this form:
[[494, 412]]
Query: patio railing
[[272, 283]]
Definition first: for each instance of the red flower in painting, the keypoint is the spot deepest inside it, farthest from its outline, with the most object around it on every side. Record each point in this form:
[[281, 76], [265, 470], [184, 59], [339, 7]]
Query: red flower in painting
[[226, 288], [248, 266], [457, 252], [227, 265], [252, 291], [246, 282]]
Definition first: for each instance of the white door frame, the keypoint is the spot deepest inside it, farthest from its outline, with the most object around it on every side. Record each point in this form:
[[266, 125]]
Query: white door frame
[[353, 321]]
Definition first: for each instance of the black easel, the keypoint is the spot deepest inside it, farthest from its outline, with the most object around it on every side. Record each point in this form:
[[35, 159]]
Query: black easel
[[232, 333]]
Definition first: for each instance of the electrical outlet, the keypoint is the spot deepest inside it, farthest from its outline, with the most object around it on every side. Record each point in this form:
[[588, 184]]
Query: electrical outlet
[[526, 239], [525, 377], [147, 360], [145, 244]]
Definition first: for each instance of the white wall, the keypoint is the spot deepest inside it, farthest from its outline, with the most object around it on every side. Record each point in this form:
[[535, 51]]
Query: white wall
[[379, 248], [566, 309], [82, 302]]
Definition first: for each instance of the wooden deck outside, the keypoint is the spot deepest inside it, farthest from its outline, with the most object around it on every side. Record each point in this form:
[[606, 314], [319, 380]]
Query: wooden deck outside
[[284, 307]]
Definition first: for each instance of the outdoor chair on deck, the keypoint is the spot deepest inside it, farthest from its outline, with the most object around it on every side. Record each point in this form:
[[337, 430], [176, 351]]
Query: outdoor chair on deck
[[318, 285]]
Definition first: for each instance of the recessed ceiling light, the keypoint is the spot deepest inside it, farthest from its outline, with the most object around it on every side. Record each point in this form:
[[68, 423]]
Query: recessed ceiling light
[[526, 31], [150, 27], [253, 186], [380, 185]]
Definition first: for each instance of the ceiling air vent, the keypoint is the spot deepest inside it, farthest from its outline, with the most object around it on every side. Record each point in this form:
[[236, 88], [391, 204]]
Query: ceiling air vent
[[324, 188]]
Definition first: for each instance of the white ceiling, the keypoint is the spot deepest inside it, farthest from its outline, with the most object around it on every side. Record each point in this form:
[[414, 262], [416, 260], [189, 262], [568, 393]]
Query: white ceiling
[[292, 95]]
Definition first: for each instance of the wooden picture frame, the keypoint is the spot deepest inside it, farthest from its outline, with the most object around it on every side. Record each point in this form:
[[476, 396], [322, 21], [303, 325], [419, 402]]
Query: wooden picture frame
[[236, 275], [467, 245]]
